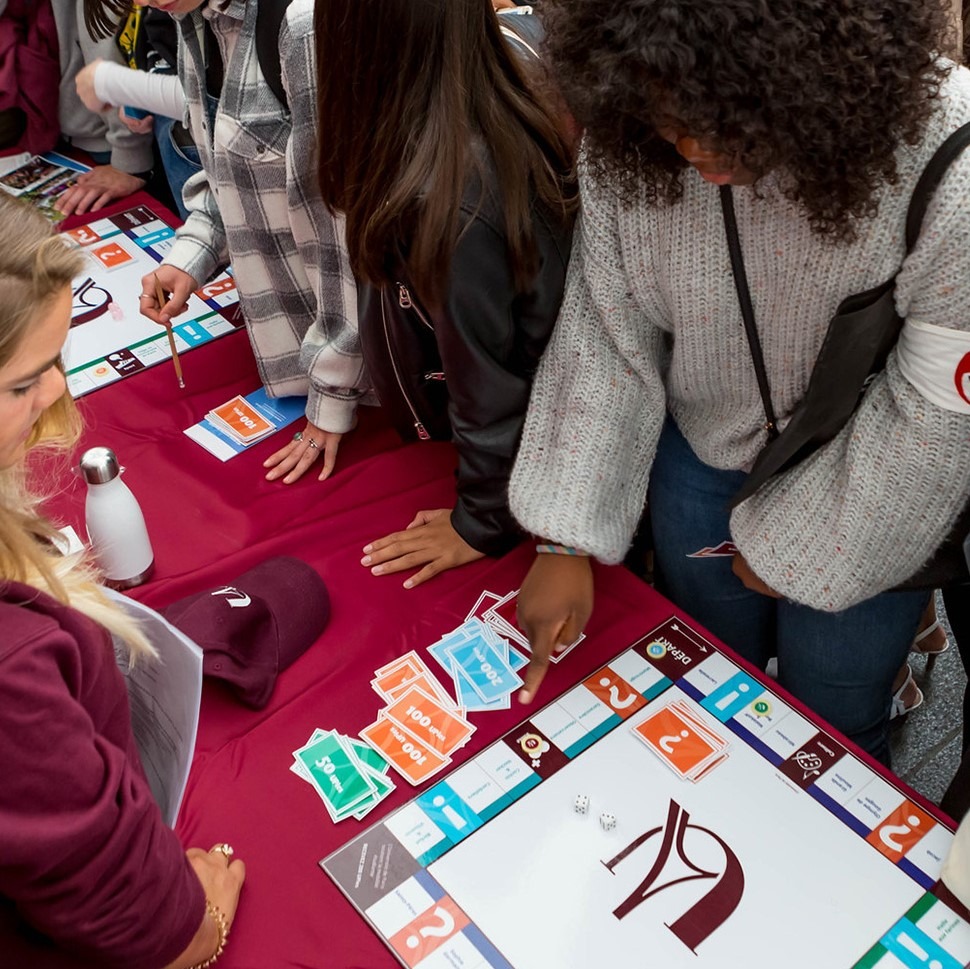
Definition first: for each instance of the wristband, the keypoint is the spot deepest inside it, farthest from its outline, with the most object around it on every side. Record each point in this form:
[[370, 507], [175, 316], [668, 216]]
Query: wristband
[[560, 550], [217, 916]]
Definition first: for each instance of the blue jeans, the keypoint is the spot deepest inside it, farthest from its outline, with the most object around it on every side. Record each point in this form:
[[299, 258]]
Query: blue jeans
[[180, 162], [841, 665]]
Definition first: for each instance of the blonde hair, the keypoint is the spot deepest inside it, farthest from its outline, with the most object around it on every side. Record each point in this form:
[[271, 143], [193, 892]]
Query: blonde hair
[[35, 266]]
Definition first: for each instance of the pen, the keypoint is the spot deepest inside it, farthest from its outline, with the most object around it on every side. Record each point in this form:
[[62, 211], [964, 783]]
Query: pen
[[162, 300]]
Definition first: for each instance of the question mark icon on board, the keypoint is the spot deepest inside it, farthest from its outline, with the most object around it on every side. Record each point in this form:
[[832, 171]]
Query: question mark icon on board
[[441, 931], [889, 834], [615, 700]]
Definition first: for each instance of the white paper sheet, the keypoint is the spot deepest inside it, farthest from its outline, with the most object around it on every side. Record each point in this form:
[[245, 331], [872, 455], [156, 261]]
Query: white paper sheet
[[165, 696]]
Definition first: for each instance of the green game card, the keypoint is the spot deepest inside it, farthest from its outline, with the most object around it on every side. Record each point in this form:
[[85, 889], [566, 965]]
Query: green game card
[[333, 772], [369, 756]]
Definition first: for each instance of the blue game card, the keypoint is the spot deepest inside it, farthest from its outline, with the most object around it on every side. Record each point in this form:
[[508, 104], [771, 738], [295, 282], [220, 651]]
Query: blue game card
[[484, 667]]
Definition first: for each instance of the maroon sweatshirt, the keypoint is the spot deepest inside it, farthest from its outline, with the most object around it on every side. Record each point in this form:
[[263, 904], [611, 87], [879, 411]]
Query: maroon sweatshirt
[[89, 873]]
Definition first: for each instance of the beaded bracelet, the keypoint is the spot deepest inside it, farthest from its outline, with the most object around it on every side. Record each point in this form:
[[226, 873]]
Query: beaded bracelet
[[219, 918], [560, 550]]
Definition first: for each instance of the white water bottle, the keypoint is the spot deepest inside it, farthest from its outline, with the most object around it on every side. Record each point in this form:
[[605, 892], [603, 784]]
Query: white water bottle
[[115, 523]]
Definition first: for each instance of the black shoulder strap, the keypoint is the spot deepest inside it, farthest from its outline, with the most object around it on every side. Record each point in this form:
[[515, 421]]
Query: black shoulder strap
[[269, 20], [747, 310], [930, 179], [935, 169]]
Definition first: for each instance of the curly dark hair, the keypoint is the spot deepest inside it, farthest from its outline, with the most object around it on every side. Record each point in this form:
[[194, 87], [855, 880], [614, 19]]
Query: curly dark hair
[[822, 90]]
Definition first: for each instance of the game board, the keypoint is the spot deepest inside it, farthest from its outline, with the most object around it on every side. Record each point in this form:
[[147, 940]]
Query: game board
[[109, 338], [744, 835]]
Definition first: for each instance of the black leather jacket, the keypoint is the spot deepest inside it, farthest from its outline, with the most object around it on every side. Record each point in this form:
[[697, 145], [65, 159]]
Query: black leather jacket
[[464, 373]]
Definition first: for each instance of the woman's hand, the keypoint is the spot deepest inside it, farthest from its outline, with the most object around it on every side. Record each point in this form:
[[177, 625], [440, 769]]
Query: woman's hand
[[139, 126], [740, 567], [554, 605], [93, 190], [177, 285], [304, 448], [430, 540], [222, 879], [84, 82]]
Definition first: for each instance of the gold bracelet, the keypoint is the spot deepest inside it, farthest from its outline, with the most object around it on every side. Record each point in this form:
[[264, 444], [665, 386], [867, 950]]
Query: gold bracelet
[[219, 918]]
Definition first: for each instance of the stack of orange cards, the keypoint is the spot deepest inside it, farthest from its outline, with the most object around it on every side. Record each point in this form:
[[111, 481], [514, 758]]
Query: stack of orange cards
[[421, 727], [239, 420], [687, 745]]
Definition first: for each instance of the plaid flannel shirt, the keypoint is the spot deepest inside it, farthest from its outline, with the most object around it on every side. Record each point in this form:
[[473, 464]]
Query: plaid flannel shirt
[[255, 203]]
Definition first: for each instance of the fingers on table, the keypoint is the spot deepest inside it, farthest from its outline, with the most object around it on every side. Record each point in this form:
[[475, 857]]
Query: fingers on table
[[291, 462], [329, 459]]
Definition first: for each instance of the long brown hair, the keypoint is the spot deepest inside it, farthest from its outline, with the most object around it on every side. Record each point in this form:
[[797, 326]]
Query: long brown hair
[[103, 17], [405, 87]]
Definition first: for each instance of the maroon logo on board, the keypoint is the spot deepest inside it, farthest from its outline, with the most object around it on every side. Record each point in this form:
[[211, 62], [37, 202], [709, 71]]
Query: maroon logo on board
[[717, 904]]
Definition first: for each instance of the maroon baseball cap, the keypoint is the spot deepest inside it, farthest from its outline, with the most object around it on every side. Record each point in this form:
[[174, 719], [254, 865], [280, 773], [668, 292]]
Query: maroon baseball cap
[[253, 627]]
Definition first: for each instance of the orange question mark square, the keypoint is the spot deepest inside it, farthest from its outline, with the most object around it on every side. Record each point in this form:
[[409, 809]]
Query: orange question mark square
[[900, 831], [431, 929], [615, 692]]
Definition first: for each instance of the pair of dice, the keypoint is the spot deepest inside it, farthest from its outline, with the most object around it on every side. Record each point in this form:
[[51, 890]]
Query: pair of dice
[[581, 806]]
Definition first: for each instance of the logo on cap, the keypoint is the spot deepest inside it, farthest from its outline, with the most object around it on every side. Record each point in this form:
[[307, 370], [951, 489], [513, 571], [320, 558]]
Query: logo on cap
[[236, 598]]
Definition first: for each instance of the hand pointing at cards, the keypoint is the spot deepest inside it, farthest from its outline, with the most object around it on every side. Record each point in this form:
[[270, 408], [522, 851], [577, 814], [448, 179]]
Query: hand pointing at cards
[[555, 603]]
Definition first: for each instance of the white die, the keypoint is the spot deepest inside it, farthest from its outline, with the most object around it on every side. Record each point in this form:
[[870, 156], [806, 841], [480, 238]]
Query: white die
[[581, 804], [607, 822]]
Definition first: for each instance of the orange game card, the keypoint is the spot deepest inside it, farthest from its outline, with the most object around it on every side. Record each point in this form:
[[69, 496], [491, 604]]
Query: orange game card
[[429, 721], [425, 682], [111, 256], [900, 831], [678, 743], [244, 420], [411, 758], [386, 682]]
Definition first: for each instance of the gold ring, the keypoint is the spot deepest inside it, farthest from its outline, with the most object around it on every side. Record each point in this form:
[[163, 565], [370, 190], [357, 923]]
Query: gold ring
[[313, 444], [298, 436], [223, 849]]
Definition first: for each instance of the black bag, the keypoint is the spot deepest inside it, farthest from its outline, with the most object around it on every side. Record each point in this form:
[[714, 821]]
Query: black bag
[[269, 21], [859, 338]]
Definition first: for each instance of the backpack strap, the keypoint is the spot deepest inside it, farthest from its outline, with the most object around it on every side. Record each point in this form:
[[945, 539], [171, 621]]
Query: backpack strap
[[269, 20], [930, 179]]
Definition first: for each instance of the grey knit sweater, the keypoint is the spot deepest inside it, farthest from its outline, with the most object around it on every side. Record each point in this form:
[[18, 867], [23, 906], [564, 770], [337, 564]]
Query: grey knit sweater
[[650, 323]]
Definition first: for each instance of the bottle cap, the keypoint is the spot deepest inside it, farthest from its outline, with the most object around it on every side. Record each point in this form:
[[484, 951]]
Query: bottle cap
[[99, 465]]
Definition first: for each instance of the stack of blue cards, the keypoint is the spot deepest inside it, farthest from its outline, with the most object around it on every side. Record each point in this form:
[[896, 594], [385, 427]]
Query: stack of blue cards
[[482, 665]]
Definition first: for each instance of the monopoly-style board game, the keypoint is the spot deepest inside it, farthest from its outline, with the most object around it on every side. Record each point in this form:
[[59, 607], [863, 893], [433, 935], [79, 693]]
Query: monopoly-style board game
[[109, 338], [671, 810]]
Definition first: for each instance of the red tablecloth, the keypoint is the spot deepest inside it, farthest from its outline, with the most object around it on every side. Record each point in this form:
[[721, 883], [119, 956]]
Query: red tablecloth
[[210, 521]]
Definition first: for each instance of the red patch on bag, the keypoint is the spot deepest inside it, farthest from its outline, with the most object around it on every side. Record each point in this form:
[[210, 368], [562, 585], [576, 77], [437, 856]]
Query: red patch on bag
[[962, 378]]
